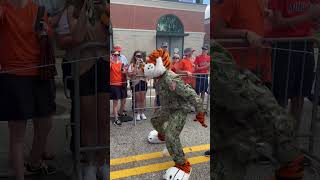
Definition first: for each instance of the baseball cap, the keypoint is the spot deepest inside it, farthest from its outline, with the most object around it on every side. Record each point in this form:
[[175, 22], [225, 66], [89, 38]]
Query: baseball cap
[[164, 44], [117, 48], [188, 51], [205, 47], [115, 52]]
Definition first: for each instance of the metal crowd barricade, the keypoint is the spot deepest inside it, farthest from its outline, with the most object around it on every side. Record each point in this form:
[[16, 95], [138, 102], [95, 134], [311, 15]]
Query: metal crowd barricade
[[152, 102], [75, 56], [241, 44]]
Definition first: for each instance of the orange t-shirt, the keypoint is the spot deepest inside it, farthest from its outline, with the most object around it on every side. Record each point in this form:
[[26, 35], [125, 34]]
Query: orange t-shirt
[[116, 74], [246, 15], [186, 65], [173, 66], [19, 43]]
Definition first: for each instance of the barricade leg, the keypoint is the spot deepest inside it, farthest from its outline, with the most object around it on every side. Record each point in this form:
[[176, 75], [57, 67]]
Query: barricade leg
[[76, 116]]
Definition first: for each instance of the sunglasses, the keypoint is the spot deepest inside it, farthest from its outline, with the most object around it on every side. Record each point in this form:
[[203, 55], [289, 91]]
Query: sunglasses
[[115, 54], [138, 56]]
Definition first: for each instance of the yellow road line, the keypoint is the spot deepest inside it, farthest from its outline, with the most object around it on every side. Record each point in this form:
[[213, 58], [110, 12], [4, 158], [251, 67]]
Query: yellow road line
[[143, 157], [153, 168]]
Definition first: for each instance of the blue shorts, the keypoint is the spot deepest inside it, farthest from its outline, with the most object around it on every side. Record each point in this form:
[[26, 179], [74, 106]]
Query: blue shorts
[[202, 83], [118, 92]]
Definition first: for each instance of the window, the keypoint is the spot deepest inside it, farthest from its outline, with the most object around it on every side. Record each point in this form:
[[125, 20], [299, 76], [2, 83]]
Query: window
[[171, 30]]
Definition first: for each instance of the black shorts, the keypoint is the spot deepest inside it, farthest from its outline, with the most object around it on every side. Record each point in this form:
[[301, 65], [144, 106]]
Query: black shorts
[[141, 86], [294, 79], [23, 98], [118, 92], [88, 80], [202, 83]]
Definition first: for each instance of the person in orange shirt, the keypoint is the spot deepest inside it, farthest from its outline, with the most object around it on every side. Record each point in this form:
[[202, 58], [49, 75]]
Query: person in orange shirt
[[202, 65], [23, 94], [244, 20], [116, 85], [185, 67], [175, 61]]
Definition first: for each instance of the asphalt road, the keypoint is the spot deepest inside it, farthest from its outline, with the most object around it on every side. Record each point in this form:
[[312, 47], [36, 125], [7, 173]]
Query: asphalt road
[[130, 142]]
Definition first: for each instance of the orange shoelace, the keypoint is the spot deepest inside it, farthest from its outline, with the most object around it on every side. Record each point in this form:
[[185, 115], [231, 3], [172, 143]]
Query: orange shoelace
[[186, 167]]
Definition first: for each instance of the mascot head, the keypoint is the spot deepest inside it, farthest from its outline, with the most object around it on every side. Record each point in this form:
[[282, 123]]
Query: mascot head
[[158, 62], [154, 70]]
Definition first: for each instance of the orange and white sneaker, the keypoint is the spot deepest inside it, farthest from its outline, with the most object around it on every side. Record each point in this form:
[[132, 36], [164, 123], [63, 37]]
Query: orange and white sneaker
[[178, 172], [155, 138]]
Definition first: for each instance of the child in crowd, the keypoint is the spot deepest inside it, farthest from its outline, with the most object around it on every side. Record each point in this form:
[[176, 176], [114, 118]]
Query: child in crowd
[[116, 85]]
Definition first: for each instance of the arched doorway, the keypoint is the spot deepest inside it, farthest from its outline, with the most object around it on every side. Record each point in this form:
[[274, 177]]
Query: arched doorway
[[171, 30]]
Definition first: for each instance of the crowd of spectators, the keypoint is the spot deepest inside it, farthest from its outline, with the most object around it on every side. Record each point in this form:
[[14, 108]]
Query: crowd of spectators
[[192, 69], [288, 67]]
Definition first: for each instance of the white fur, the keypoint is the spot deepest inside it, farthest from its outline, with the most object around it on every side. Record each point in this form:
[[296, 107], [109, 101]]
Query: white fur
[[160, 69], [174, 173], [149, 70], [153, 71], [153, 138]]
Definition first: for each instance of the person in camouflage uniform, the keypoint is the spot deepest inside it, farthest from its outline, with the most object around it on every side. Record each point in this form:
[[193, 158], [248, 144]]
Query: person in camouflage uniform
[[176, 100], [248, 122]]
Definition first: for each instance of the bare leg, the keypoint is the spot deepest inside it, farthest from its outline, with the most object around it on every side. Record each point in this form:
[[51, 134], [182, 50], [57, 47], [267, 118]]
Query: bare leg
[[122, 105], [88, 118], [138, 98], [143, 100], [41, 129], [17, 130], [115, 108]]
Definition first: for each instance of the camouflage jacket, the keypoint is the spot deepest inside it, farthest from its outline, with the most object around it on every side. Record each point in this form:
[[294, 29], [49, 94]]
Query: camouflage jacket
[[241, 106], [174, 94]]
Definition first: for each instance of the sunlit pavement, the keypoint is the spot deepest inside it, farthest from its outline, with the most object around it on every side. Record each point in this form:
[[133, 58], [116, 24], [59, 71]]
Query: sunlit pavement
[[130, 141]]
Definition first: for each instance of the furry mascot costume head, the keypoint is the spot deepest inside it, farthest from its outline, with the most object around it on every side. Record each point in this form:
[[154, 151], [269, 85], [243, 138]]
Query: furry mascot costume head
[[157, 63]]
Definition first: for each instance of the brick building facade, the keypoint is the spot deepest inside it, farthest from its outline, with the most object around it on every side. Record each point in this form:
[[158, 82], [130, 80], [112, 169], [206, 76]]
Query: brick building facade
[[145, 24]]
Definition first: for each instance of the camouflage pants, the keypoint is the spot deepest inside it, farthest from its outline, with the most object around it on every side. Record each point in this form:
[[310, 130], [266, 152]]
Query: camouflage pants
[[171, 123], [231, 163]]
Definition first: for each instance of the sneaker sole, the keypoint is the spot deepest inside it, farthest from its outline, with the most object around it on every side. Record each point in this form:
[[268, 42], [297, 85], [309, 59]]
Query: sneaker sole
[[116, 124]]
